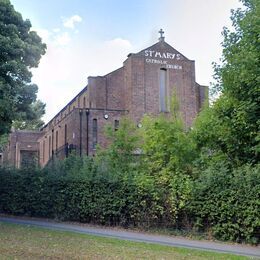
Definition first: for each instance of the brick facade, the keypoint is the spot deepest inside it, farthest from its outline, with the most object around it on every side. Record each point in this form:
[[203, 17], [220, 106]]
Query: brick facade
[[20, 143], [145, 81]]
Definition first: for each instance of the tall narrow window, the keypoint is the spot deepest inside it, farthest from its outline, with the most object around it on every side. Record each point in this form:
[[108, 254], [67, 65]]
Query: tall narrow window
[[49, 146], [65, 135], [163, 91], [57, 140], [66, 141], [43, 151], [84, 102], [116, 125], [94, 127], [52, 141]]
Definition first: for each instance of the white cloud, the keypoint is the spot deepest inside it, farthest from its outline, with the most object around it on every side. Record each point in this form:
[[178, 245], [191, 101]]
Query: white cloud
[[54, 36], [56, 30], [118, 43], [63, 70], [43, 33], [62, 39], [195, 30], [70, 22]]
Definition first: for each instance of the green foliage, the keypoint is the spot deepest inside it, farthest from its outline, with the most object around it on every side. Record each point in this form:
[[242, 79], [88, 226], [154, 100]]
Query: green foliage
[[227, 202], [237, 110], [223, 200], [166, 144], [31, 119], [3, 142], [168, 152], [119, 156], [20, 50], [206, 177]]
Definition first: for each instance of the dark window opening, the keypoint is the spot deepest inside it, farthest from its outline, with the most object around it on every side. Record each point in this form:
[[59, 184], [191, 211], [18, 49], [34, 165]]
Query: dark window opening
[[116, 125], [52, 141], [57, 140], [49, 146], [29, 159], [43, 151], [65, 135], [94, 127]]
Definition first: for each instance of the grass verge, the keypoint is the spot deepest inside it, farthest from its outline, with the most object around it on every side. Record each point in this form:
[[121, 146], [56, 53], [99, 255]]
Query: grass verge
[[27, 242]]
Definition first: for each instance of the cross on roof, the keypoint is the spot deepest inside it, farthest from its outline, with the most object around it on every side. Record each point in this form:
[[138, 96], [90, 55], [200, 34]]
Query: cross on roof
[[161, 32]]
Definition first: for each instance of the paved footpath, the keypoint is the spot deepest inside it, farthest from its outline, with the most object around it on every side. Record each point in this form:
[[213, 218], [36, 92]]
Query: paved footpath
[[138, 236]]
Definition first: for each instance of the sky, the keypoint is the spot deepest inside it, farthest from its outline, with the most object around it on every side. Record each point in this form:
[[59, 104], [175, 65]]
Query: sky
[[90, 38]]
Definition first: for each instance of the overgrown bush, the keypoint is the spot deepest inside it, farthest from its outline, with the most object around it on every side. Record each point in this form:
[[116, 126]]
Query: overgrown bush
[[222, 200], [226, 201], [75, 189]]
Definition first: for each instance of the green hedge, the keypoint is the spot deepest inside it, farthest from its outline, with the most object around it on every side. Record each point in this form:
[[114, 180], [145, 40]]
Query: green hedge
[[102, 199], [228, 202], [223, 201]]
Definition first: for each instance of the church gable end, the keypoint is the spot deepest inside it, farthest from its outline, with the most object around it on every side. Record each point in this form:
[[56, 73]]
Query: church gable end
[[164, 51], [144, 85]]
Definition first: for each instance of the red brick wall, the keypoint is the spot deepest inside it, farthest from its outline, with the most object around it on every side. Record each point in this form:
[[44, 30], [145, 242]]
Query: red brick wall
[[133, 90]]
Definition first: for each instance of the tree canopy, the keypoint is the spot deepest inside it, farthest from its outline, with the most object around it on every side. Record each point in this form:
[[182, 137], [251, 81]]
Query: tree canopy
[[20, 50], [231, 125]]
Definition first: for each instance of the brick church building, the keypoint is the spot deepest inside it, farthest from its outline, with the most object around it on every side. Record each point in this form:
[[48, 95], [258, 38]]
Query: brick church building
[[143, 85]]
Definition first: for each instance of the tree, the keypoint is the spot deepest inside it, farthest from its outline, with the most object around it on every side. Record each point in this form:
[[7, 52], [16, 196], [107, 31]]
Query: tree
[[3, 142], [233, 121], [225, 196], [32, 119], [119, 156], [20, 50], [168, 155]]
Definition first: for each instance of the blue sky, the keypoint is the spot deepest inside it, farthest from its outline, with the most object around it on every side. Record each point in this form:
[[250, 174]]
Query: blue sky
[[89, 38]]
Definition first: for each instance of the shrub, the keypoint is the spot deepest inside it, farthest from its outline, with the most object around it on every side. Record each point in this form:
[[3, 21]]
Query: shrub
[[227, 202]]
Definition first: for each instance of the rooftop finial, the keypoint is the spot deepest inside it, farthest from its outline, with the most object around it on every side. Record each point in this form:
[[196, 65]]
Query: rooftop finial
[[161, 32]]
